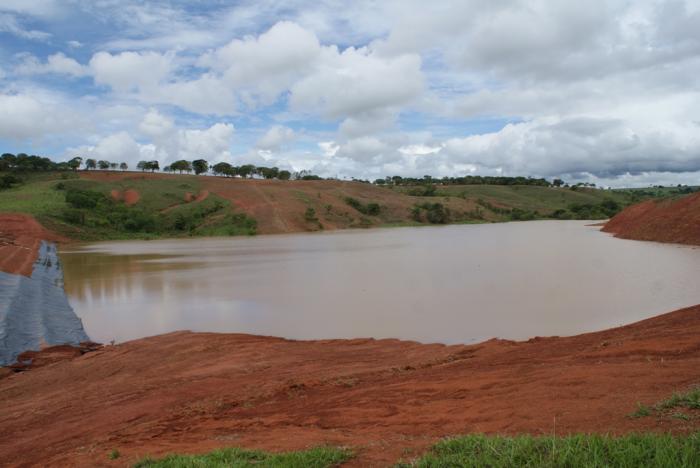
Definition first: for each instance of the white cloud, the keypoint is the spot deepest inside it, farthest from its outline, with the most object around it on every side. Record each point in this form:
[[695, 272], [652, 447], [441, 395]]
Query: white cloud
[[130, 71], [9, 24], [57, 63], [30, 115], [275, 138], [354, 81]]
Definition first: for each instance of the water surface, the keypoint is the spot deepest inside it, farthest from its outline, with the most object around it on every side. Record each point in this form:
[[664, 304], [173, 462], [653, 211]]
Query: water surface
[[452, 284]]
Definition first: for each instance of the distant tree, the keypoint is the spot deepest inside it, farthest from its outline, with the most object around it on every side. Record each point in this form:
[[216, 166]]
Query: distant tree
[[380, 181], [200, 166], [102, 164], [75, 163], [167, 169], [113, 166], [246, 170], [268, 172], [90, 164], [181, 165], [557, 182], [123, 166], [153, 166], [222, 168], [284, 175], [143, 165]]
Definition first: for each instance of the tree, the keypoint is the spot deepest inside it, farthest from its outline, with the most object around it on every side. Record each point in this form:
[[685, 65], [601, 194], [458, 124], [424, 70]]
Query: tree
[[123, 166], [200, 166], [143, 165], [90, 164], [75, 163], [246, 170], [222, 168], [181, 165], [557, 182], [152, 165], [268, 172], [102, 164], [113, 166], [284, 175]]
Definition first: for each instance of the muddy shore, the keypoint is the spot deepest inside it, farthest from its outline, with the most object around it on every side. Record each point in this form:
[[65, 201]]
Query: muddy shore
[[388, 399]]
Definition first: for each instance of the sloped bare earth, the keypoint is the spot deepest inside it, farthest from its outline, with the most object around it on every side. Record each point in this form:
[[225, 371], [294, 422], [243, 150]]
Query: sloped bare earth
[[192, 392], [676, 221], [20, 237]]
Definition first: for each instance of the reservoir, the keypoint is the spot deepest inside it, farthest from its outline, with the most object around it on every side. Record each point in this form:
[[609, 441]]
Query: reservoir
[[448, 284]]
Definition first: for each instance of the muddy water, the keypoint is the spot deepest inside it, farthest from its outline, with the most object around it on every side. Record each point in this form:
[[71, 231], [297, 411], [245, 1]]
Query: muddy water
[[433, 284]]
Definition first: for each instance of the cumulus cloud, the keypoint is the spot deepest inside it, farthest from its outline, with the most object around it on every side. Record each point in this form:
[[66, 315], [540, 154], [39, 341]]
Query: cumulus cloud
[[29, 115], [275, 138], [131, 71]]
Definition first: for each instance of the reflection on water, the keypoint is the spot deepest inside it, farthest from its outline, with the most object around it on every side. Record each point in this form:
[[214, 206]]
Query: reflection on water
[[447, 284]]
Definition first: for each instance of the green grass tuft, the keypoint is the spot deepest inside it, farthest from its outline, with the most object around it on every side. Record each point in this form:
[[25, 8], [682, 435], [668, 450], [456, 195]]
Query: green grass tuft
[[642, 411], [689, 400], [319, 457], [635, 450]]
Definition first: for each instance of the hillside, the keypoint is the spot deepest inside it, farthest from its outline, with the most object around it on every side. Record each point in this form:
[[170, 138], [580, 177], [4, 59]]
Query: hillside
[[94, 205], [672, 220]]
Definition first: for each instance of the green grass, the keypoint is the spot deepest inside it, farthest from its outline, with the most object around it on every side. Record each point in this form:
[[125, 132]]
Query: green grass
[[544, 200], [635, 450], [320, 457], [162, 201], [687, 400]]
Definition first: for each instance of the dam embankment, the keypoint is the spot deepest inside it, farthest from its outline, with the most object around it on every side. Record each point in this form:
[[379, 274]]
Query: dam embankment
[[34, 310]]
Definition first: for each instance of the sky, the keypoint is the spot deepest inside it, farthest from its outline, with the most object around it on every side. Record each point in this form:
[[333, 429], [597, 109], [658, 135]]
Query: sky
[[598, 91]]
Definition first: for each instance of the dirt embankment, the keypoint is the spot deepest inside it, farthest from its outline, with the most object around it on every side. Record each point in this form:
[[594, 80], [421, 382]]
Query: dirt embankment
[[388, 399], [676, 221], [20, 237]]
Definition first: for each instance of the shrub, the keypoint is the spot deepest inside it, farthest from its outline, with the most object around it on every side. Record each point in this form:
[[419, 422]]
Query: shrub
[[84, 198]]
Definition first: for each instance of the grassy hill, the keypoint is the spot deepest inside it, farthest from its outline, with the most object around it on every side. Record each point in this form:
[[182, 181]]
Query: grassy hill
[[113, 205]]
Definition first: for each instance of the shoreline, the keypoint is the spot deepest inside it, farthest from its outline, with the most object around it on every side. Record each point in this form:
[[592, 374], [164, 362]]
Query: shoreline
[[192, 392]]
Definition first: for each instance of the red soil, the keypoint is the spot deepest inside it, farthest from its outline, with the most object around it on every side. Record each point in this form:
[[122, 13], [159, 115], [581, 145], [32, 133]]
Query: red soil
[[676, 221], [131, 196], [20, 237], [202, 196], [387, 399]]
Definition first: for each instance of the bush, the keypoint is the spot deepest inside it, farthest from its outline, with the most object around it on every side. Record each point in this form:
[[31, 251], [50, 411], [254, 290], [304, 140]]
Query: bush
[[84, 198], [8, 180], [372, 209], [435, 213]]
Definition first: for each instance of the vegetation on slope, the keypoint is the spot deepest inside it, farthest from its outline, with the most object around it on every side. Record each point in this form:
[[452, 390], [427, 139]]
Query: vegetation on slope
[[634, 450], [90, 204], [320, 457]]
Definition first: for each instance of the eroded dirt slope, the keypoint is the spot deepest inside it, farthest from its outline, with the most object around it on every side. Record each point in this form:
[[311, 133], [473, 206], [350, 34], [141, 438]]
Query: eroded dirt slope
[[388, 399], [676, 221], [20, 236]]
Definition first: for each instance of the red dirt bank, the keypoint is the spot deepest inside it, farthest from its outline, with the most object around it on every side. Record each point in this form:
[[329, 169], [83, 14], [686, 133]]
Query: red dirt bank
[[676, 221], [388, 399], [20, 237]]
